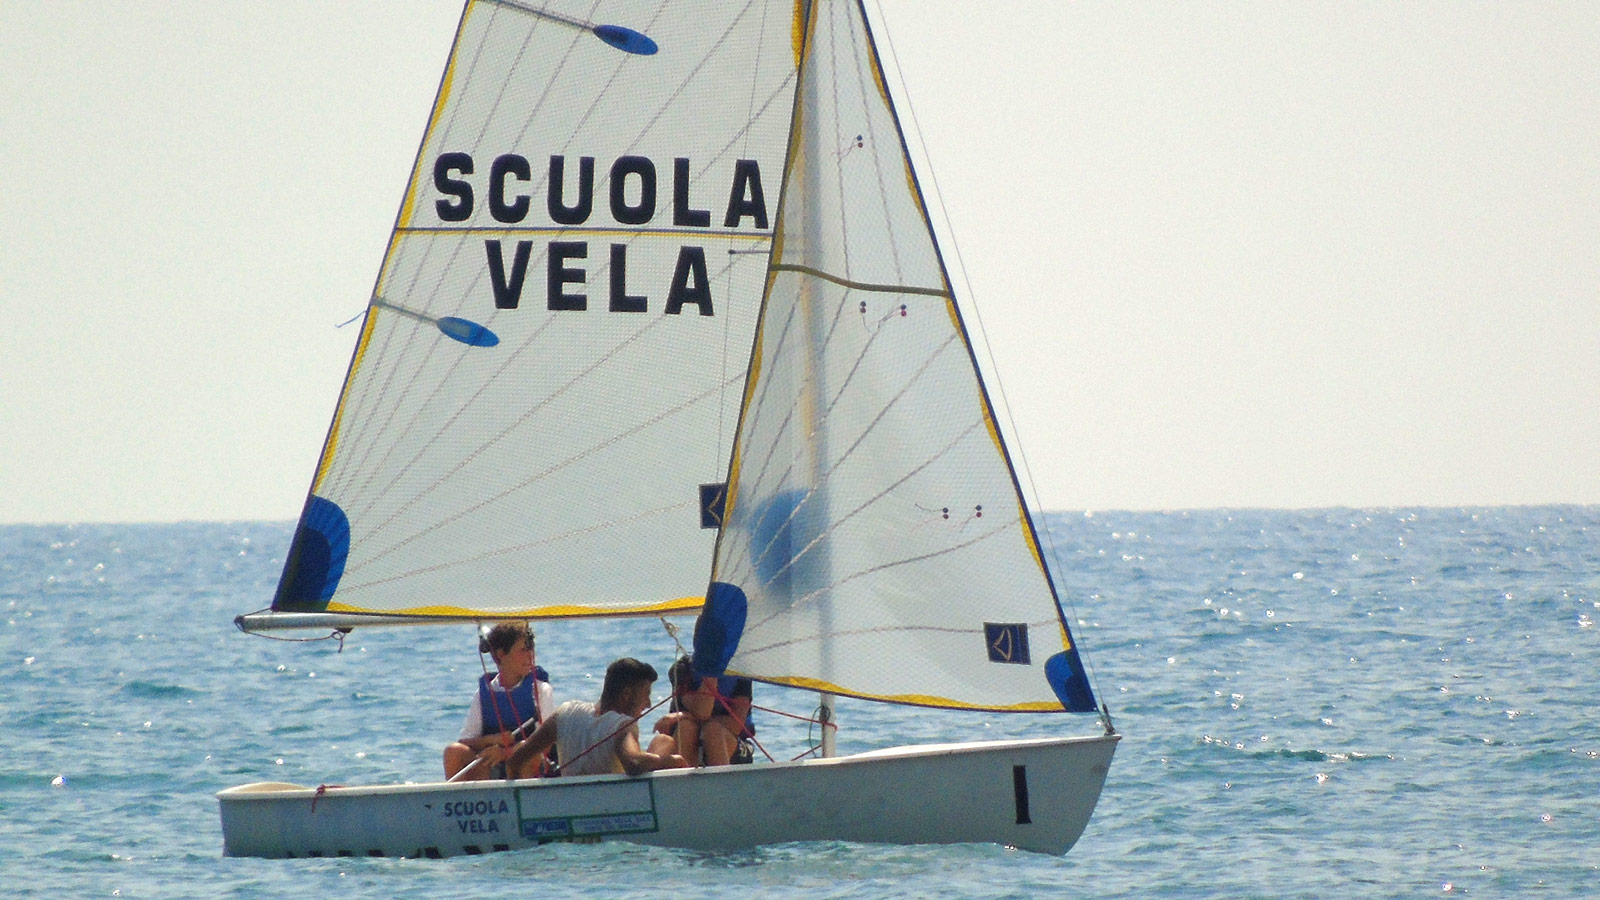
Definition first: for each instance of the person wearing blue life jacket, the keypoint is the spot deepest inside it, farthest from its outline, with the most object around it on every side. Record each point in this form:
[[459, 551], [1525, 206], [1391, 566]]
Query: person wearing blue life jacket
[[516, 694], [711, 716]]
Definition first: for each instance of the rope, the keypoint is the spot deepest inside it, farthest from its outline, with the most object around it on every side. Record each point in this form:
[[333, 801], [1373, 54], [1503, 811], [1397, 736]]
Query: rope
[[335, 635], [672, 632]]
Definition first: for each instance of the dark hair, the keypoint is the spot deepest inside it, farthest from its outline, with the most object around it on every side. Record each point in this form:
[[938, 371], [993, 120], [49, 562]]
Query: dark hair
[[681, 674], [621, 675], [503, 637]]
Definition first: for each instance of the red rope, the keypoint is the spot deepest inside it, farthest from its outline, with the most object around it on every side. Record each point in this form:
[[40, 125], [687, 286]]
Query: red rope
[[321, 789]]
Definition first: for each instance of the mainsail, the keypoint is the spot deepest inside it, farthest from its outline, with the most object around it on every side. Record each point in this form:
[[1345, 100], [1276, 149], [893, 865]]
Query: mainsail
[[876, 543], [541, 402]]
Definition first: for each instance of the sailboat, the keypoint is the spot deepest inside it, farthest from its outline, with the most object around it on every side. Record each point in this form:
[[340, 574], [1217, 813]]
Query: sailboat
[[662, 299]]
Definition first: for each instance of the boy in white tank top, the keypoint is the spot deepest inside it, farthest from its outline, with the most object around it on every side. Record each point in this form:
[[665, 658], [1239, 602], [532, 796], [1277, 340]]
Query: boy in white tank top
[[601, 738]]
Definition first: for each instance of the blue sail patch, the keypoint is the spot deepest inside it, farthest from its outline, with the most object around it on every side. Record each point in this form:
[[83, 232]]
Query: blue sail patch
[[626, 39], [467, 332], [782, 532], [1064, 672], [717, 631], [316, 558]]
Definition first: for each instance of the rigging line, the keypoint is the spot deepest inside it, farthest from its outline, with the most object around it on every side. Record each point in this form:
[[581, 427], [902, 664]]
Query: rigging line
[[550, 470], [726, 703], [966, 281], [334, 635]]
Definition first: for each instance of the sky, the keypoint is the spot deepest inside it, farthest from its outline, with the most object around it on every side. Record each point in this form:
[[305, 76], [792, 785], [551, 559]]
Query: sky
[[1245, 254]]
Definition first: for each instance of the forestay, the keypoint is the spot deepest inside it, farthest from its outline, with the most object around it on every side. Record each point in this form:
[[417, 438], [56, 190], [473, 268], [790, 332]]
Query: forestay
[[876, 544], [551, 365]]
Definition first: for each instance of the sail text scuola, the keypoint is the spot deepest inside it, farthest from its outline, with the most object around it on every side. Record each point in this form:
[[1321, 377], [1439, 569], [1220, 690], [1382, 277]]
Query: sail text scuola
[[633, 201]]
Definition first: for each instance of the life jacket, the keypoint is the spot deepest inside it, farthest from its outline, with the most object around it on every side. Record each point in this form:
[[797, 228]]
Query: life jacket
[[498, 714]]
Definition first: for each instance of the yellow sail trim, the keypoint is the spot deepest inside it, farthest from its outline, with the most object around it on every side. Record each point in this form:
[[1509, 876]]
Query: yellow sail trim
[[814, 684], [408, 206], [774, 255], [732, 490], [883, 93], [681, 604], [797, 31], [332, 445], [994, 438]]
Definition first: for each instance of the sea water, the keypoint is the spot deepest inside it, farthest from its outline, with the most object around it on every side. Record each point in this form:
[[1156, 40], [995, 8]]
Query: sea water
[[1333, 703]]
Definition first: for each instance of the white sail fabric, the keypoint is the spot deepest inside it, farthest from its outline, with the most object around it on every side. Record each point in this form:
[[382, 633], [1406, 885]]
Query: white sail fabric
[[554, 357], [876, 544]]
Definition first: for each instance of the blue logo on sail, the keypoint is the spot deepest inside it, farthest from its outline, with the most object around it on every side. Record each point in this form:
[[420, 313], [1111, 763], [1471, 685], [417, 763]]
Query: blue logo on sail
[[1008, 642]]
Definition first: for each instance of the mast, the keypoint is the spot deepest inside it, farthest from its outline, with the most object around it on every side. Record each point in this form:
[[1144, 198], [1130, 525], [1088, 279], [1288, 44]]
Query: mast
[[816, 396]]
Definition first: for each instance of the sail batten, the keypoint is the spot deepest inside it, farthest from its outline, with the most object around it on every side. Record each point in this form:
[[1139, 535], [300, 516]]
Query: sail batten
[[861, 285]]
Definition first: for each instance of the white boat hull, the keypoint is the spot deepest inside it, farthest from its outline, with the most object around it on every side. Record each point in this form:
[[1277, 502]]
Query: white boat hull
[[1031, 794]]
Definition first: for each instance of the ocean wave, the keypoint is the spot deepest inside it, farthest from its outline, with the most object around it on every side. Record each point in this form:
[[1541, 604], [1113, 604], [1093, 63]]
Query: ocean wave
[[157, 690]]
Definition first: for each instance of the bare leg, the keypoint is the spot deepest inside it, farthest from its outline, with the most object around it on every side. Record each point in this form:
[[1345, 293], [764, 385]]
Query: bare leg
[[689, 740], [718, 742], [458, 756]]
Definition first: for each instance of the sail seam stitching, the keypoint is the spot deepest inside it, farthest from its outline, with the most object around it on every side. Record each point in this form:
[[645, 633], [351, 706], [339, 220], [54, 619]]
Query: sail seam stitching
[[861, 285]]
